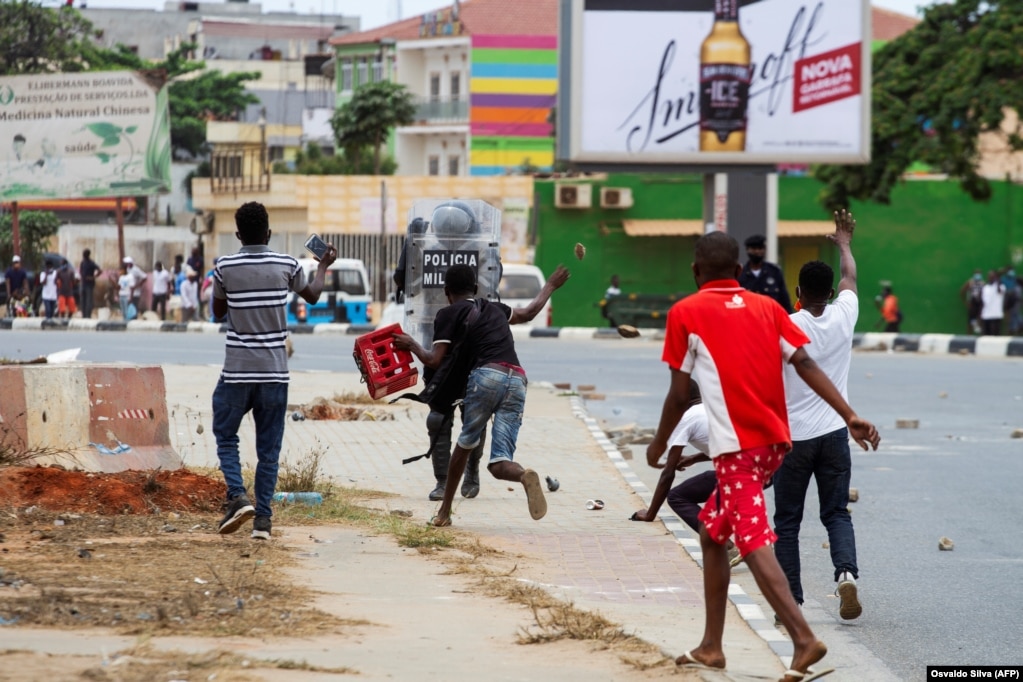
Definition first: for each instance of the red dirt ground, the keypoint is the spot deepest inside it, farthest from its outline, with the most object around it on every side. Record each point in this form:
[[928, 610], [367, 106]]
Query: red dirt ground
[[134, 492]]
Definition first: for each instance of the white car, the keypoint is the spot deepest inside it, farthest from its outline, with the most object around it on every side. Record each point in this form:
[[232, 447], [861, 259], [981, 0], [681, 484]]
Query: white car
[[520, 283]]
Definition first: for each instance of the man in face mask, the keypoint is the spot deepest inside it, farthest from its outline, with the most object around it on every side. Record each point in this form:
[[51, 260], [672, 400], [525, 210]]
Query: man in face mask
[[762, 277]]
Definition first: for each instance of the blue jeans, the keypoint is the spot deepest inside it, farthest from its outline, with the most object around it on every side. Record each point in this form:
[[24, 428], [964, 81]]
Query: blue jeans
[[124, 301], [827, 459], [50, 308], [268, 403], [501, 393]]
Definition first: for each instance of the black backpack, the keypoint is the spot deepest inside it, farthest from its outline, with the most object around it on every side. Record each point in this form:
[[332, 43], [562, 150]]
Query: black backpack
[[445, 387]]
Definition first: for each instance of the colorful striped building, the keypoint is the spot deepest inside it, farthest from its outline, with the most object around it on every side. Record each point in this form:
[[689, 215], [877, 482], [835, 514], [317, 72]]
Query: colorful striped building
[[484, 75], [513, 89]]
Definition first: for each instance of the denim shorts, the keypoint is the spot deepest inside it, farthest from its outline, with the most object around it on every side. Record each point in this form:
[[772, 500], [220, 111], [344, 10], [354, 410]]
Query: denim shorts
[[500, 394]]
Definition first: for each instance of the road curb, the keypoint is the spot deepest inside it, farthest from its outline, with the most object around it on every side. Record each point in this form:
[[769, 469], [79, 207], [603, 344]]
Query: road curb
[[955, 344], [745, 605]]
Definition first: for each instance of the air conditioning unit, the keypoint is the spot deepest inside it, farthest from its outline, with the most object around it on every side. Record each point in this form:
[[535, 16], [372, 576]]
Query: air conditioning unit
[[615, 197], [202, 223], [573, 196]]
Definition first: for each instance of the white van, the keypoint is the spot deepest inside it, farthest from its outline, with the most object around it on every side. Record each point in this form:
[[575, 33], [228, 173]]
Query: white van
[[520, 283], [345, 298]]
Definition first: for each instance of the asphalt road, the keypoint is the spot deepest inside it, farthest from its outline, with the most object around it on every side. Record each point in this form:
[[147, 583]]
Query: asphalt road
[[958, 475]]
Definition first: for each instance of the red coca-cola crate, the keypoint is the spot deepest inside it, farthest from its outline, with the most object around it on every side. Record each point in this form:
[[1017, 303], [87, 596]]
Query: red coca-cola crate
[[384, 368]]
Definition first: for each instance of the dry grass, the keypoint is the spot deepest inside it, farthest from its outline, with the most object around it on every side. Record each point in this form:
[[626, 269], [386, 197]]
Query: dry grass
[[357, 398], [144, 663], [554, 619], [150, 575], [15, 456]]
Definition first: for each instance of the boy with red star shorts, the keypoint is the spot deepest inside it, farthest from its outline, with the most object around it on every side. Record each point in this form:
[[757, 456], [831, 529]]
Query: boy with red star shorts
[[734, 343]]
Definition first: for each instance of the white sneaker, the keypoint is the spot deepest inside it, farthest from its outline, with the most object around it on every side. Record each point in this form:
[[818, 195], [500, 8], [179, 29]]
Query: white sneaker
[[849, 604]]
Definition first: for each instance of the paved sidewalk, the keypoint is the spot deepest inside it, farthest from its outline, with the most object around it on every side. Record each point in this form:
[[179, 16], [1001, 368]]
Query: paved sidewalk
[[636, 574]]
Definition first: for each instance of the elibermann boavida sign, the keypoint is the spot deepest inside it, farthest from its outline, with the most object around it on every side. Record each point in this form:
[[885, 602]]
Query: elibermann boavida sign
[[77, 135]]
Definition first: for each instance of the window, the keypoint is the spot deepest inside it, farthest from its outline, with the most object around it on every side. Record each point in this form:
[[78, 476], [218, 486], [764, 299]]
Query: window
[[347, 281], [456, 85], [378, 70], [519, 286], [362, 72], [346, 75], [434, 87], [434, 166], [453, 164]]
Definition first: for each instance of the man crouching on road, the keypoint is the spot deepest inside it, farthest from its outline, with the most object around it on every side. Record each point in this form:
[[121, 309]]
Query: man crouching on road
[[733, 342], [496, 384], [251, 288]]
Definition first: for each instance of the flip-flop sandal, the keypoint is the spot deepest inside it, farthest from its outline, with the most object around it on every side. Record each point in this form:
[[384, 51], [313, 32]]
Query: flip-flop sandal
[[811, 674], [433, 522], [534, 494], [689, 662]]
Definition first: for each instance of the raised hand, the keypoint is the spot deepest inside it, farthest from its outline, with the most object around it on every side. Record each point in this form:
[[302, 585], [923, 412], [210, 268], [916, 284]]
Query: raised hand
[[844, 227]]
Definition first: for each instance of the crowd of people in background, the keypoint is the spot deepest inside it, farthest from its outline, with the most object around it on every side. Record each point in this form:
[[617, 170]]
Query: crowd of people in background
[[993, 302], [59, 290]]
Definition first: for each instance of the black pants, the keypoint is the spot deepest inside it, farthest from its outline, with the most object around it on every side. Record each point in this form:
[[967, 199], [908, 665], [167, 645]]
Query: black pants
[[87, 301], [686, 498], [992, 327], [440, 455], [160, 305]]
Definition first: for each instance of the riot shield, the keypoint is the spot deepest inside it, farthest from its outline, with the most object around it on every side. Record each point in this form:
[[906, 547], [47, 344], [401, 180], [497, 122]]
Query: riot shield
[[452, 232]]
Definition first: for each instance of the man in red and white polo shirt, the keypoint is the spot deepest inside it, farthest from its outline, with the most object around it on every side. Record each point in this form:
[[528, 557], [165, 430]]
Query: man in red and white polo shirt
[[734, 343]]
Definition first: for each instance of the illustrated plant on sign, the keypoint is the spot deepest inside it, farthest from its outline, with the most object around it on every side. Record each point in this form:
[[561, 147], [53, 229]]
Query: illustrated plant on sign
[[112, 136]]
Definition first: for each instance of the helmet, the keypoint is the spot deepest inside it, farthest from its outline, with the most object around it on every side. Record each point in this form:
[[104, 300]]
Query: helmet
[[454, 218]]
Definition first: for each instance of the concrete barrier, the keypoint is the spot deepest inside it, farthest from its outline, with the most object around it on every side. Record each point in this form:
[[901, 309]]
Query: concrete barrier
[[99, 417]]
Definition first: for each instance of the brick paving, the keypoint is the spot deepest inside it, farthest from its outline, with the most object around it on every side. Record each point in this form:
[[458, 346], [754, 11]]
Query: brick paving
[[637, 574]]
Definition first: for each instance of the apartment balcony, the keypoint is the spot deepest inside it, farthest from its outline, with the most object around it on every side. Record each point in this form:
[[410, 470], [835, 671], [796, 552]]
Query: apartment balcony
[[239, 167], [442, 110]]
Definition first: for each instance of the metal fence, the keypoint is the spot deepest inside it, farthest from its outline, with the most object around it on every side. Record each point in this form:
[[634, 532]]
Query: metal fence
[[379, 252]]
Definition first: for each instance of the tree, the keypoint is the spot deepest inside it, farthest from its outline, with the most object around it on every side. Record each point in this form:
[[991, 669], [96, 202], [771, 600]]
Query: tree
[[38, 40], [312, 161], [195, 96], [210, 96], [35, 229], [936, 88], [369, 116]]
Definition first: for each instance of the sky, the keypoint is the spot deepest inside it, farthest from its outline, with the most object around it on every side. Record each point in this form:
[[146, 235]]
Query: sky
[[378, 12]]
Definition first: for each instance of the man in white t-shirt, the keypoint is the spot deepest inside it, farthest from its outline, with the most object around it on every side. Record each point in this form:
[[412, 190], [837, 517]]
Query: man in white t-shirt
[[162, 288], [139, 276], [820, 440], [993, 305], [686, 498]]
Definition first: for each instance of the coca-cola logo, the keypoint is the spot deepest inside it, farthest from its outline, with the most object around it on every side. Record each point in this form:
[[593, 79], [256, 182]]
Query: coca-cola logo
[[371, 361]]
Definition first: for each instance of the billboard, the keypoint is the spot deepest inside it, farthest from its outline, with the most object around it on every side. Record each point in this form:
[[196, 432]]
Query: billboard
[[79, 135], [714, 82]]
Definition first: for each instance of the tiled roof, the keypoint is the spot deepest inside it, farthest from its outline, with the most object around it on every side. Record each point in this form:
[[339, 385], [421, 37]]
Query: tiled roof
[[481, 17], [888, 25], [515, 18], [406, 29]]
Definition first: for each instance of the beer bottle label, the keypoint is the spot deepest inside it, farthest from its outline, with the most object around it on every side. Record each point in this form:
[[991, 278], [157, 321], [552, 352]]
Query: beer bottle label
[[724, 93]]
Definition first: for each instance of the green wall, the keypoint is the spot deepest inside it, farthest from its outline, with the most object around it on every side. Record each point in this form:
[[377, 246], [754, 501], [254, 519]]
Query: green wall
[[648, 265], [926, 243]]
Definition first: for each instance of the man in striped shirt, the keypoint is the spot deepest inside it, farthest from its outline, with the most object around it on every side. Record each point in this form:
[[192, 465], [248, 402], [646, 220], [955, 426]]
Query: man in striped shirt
[[251, 289]]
